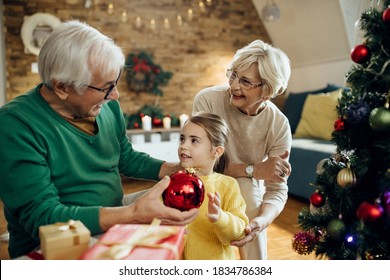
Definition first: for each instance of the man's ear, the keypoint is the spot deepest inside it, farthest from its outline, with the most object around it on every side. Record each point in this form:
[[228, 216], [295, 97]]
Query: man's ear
[[60, 90]]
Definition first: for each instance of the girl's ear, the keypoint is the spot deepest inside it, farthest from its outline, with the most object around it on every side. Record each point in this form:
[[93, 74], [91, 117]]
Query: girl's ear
[[218, 152], [60, 90]]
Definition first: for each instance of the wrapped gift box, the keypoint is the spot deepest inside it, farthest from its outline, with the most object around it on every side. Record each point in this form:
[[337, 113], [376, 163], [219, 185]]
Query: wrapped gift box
[[138, 242], [64, 241]]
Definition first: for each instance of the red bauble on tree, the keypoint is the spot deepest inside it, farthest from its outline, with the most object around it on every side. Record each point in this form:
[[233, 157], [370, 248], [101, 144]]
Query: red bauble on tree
[[386, 16], [317, 199], [360, 54], [186, 191], [369, 212], [339, 124]]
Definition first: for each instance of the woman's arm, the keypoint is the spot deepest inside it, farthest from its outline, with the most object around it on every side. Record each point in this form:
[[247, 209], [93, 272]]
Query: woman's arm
[[271, 169]]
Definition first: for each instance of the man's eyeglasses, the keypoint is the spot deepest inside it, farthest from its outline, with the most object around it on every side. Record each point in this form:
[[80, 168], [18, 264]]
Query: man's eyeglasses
[[108, 90], [244, 83]]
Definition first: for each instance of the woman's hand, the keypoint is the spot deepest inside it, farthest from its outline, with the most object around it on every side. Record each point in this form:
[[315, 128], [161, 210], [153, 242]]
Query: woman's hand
[[252, 230], [214, 206], [274, 169]]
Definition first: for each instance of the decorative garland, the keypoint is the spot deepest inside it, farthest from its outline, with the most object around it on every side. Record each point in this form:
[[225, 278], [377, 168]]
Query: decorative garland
[[145, 75], [134, 121]]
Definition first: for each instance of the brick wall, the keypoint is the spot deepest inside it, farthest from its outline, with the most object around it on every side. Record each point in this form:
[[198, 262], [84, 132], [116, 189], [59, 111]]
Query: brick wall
[[197, 53]]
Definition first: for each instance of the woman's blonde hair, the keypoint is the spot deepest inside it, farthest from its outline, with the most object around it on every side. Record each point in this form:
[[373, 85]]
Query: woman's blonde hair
[[273, 65]]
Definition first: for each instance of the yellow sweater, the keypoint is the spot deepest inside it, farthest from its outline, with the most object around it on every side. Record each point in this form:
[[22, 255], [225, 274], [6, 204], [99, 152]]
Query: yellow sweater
[[211, 241]]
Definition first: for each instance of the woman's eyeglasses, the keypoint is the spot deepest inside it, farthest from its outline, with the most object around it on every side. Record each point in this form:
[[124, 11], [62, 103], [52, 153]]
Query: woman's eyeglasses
[[244, 83]]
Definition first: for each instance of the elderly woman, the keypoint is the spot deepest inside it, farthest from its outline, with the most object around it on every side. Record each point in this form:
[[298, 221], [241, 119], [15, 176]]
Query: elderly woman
[[64, 145], [260, 138]]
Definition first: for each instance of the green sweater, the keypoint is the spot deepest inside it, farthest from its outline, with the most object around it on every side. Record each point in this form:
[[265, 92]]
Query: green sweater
[[52, 172]]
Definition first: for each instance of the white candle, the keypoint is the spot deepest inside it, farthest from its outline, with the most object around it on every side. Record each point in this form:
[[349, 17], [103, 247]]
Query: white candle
[[167, 122], [146, 123], [183, 118]]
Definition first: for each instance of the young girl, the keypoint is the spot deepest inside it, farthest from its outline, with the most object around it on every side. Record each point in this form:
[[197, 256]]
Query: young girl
[[222, 217]]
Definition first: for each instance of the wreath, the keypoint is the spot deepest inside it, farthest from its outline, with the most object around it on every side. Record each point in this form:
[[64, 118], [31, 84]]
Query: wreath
[[30, 24], [145, 75]]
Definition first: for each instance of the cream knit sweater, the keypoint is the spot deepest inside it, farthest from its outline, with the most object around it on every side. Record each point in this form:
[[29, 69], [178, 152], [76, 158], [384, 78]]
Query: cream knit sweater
[[251, 138]]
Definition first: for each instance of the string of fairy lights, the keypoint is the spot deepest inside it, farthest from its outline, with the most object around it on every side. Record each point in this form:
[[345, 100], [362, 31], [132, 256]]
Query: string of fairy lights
[[184, 16]]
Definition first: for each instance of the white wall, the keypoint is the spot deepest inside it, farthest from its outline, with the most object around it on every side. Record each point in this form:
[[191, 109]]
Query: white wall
[[317, 36], [318, 76], [2, 58]]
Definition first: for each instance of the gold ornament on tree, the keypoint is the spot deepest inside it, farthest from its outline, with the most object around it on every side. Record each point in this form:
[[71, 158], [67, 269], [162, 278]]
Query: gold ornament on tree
[[346, 177]]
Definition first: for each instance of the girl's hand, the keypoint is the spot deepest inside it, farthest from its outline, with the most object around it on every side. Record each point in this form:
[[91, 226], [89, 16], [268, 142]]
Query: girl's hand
[[214, 206]]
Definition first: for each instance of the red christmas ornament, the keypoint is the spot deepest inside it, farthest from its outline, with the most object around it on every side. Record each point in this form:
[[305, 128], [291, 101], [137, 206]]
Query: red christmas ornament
[[186, 191], [339, 124], [317, 199], [360, 54], [136, 125], [386, 16], [369, 212], [157, 122]]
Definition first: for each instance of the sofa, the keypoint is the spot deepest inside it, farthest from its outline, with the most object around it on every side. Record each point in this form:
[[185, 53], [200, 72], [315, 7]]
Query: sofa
[[311, 115]]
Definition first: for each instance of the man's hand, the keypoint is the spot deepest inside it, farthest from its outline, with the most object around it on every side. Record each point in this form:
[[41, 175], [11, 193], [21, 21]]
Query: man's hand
[[150, 205]]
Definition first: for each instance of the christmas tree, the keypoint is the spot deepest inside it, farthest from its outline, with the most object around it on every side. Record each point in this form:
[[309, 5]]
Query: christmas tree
[[349, 214]]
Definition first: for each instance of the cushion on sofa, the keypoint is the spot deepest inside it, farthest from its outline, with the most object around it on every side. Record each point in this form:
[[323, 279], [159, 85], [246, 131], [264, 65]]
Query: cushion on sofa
[[318, 116], [294, 105]]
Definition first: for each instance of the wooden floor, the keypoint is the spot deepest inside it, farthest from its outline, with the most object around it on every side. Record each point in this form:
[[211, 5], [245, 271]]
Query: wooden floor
[[279, 233]]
